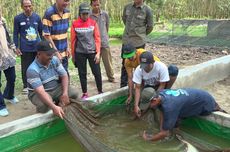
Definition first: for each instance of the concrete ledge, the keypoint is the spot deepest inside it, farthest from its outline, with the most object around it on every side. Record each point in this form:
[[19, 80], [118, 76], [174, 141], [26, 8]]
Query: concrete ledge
[[25, 123], [204, 74], [109, 95], [220, 118]]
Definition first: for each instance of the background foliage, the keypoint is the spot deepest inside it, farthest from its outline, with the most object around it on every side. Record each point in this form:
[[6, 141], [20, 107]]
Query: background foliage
[[163, 9]]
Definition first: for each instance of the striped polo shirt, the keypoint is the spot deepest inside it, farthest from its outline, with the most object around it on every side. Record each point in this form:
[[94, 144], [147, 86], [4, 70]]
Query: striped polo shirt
[[56, 26], [38, 74]]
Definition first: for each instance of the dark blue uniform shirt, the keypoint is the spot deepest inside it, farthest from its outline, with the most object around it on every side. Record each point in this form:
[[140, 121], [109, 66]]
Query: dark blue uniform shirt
[[27, 32], [184, 103]]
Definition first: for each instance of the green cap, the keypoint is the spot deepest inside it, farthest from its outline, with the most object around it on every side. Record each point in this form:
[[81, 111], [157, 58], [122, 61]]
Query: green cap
[[128, 51]]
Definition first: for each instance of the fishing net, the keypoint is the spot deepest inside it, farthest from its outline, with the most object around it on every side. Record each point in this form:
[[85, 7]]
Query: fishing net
[[108, 127], [193, 32]]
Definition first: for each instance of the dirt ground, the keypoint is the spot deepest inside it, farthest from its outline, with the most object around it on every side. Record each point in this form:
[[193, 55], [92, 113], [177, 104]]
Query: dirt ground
[[180, 56], [220, 91]]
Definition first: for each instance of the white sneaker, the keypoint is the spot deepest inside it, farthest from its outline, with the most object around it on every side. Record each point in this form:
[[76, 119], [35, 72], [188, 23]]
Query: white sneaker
[[25, 91], [13, 101], [4, 112]]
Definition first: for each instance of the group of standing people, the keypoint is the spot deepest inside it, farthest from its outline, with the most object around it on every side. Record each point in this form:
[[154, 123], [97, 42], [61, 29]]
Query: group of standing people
[[89, 42]]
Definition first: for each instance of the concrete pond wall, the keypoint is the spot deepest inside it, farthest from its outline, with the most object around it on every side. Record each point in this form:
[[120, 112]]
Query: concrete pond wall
[[195, 76]]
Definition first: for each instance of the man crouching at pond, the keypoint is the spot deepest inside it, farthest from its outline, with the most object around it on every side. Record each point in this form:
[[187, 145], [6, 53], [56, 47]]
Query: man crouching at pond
[[48, 81], [175, 105]]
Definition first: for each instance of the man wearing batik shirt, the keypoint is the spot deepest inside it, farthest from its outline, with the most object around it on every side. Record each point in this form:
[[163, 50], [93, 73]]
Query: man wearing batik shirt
[[55, 27]]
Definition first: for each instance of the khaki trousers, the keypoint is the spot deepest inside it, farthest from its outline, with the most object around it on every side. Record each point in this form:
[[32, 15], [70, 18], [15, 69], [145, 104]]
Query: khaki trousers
[[107, 61], [54, 94]]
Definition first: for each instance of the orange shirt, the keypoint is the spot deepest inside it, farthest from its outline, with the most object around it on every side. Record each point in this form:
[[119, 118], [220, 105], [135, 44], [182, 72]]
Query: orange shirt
[[131, 65]]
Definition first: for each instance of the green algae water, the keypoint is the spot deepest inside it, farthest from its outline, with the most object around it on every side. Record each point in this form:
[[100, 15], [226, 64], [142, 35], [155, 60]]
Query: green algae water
[[61, 143], [123, 134], [119, 132]]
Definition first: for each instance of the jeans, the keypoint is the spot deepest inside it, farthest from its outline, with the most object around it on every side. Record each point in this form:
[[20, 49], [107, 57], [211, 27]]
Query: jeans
[[65, 64], [55, 94], [10, 84]]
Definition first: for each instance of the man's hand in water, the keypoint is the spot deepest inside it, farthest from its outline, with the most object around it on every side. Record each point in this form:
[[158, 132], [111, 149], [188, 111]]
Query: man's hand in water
[[147, 137], [137, 111], [161, 135]]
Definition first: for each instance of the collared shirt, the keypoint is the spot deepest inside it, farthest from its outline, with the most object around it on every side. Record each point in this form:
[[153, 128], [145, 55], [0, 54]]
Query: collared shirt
[[103, 23], [131, 65], [138, 23], [27, 31], [38, 74], [183, 103], [56, 26]]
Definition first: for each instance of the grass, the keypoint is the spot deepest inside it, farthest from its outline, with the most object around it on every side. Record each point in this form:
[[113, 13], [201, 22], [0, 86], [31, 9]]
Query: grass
[[194, 31], [116, 31], [115, 41], [191, 35]]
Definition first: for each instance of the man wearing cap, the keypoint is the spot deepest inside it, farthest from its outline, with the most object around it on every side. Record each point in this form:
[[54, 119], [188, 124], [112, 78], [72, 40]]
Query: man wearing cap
[[132, 60], [175, 105], [48, 81], [153, 74], [55, 27], [138, 20]]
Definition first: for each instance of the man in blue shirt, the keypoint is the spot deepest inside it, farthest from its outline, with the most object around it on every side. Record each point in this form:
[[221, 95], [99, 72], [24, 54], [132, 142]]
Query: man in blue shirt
[[175, 105], [48, 81], [27, 33]]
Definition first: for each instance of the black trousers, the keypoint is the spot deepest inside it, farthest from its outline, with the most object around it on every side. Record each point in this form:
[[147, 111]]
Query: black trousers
[[65, 64], [26, 59], [124, 75], [81, 62]]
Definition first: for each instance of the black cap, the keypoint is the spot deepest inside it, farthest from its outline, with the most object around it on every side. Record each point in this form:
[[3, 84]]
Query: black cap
[[146, 58], [84, 8], [128, 51], [173, 70], [45, 46]]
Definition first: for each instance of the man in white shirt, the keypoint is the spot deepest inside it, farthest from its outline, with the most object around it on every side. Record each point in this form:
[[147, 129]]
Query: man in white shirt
[[153, 74]]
